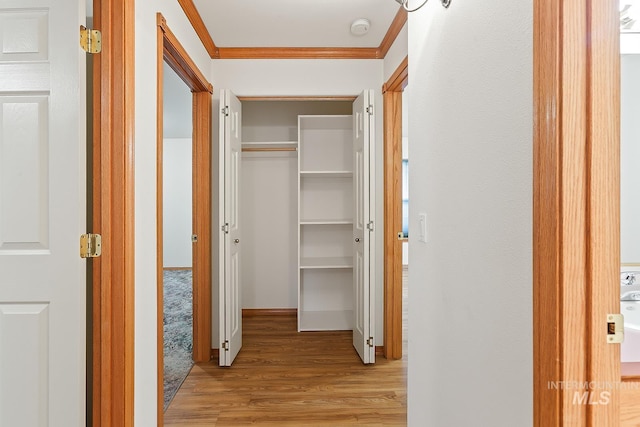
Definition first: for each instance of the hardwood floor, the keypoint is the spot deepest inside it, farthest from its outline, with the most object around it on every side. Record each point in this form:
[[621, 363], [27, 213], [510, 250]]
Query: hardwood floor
[[285, 378]]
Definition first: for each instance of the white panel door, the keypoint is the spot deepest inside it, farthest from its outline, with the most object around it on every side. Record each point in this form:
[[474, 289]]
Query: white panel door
[[363, 227], [230, 255], [42, 213]]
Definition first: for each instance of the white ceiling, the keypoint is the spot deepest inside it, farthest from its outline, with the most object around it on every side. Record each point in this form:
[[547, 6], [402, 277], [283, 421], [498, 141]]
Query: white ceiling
[[295, 23]]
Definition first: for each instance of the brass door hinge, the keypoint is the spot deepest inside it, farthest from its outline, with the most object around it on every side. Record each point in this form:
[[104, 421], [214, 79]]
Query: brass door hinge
[[615, 328], [90, 245], [90, 40]]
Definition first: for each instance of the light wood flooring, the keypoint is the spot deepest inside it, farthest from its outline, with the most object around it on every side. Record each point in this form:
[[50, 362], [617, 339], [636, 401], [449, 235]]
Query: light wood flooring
[[285, 378]]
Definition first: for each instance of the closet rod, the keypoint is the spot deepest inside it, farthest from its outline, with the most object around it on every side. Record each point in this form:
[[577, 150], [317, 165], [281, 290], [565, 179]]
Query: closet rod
[[269, 149]]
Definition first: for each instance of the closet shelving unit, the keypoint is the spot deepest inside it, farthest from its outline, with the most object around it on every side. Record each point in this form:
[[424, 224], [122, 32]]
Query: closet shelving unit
[[325, 222]]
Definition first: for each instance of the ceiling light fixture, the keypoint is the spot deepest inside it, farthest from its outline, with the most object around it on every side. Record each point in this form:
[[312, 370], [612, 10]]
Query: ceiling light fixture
[[360, 27], [405, 4]]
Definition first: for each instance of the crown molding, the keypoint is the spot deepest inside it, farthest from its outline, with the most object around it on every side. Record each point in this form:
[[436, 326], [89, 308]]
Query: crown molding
[[198, 25]]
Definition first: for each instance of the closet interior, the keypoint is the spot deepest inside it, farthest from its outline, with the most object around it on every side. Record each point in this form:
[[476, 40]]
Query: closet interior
[[296, 210]]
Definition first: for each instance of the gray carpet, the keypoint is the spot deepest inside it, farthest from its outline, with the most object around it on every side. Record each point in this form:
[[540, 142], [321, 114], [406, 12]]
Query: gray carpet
[[178, 330]]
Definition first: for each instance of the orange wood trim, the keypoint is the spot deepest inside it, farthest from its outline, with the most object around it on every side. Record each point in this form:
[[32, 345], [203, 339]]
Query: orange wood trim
[[179, 60], [576, 202], [399, 79], [603, 200], [298, 53], [215, 353], [559, 206], [160, 224], [198, 25], [202, 109], [392, 224], [252, 312], [114, 280], [297, 98], [380, 349], [392, 33], [176, 268]]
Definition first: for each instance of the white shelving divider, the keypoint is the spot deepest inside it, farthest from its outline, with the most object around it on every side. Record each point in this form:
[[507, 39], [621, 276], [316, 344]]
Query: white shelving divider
[[325, 221]]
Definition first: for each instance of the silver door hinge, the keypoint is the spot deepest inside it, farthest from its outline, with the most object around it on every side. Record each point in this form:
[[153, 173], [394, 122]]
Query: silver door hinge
[[370, 110], [194, 238], [90, 40], [225, 228], [90, 245], [370, 342], [615, 328], [370, 226], [225, 345], [225, 110]]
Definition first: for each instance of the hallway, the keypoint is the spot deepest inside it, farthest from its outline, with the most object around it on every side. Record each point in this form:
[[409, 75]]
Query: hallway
[[282, 377]]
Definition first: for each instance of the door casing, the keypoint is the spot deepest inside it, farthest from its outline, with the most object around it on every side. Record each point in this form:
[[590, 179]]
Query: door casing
[[392, 100], [576, 237]]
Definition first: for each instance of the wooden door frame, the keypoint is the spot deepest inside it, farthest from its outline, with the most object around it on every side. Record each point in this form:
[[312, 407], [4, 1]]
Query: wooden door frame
[[392, 105], [576, 238], [113, 283], [173, 53]]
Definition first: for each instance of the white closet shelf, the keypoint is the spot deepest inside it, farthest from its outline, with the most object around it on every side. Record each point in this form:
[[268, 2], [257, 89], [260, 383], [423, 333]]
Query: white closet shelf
[[326, 262], [270, 143], [326, 320], [325, 221], [326, 174]]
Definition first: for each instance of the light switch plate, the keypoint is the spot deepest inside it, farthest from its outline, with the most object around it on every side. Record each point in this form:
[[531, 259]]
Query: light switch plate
[[422, 231]]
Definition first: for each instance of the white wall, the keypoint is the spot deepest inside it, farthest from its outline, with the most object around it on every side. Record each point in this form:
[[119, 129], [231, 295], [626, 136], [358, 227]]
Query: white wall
[[630, 159], [266, 77], [177, 202], [397, 52], [470, 311], [145, 190]]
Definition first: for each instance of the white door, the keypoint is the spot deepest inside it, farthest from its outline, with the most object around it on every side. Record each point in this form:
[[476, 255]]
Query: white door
[[229, 169], [42, 213], [363, 227]]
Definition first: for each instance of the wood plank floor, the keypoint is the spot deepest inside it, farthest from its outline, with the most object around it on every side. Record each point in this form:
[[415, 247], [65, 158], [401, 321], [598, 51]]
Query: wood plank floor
[[285, 378]]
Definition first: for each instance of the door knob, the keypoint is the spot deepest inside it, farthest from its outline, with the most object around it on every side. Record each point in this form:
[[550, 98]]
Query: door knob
[[357, 239], [236, 241]]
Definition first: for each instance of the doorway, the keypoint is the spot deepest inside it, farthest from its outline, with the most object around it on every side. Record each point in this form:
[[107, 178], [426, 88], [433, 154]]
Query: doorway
[[171, 51], [177, 226]]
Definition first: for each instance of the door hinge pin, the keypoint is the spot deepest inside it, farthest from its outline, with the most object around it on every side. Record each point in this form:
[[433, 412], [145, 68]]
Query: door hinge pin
[[90, 40], [90, 245]]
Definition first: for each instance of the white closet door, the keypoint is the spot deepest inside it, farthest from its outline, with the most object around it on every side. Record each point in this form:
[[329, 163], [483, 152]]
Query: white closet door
[[42, 213], [230, 311], [363, 227]]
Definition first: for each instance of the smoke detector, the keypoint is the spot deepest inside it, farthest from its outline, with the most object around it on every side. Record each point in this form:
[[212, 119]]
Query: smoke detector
[[360, 27]]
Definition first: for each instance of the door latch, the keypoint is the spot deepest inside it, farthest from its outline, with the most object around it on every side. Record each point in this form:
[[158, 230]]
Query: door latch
[[615, 328]]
